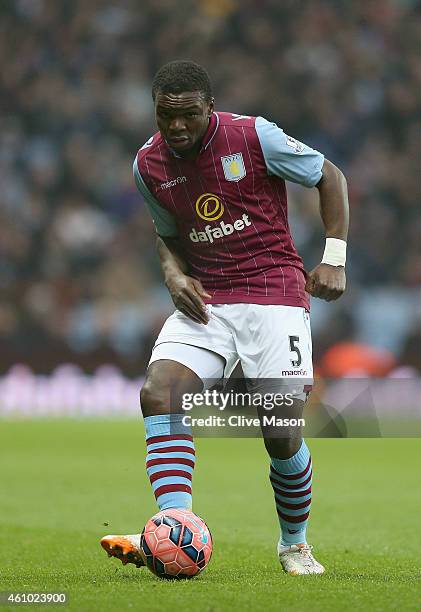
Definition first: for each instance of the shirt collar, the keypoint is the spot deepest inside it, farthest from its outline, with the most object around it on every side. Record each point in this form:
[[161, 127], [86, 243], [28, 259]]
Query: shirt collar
[[210, 132]]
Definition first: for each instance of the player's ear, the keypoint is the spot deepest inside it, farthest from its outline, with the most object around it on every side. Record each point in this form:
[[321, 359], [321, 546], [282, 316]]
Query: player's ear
[[211, 107]]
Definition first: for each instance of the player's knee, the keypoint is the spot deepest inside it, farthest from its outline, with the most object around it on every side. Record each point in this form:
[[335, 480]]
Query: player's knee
[[165, 385], [283, 448], [153, 399]]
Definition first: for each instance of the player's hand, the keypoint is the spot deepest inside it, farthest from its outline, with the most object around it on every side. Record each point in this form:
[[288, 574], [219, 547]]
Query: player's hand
[[187, 294], [326, 282]]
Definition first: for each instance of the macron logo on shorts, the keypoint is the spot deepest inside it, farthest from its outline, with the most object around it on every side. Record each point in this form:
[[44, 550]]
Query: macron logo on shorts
[[299, 372], [209, 234]]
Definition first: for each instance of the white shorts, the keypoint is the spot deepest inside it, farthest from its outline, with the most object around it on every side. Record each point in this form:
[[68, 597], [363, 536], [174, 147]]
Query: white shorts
[[270, 341]]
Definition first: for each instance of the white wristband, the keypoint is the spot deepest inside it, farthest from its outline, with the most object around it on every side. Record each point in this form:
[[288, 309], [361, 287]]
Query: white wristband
[[335, 252]]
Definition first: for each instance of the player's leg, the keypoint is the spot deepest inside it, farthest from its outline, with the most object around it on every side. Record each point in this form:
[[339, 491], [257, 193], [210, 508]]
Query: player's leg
[[170, 449], [170, 458], [185, 355], [290, 470], [278, 360], [291, 480]]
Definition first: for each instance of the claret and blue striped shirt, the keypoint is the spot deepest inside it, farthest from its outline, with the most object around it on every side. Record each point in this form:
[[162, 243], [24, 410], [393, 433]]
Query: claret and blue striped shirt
[[228, 207]]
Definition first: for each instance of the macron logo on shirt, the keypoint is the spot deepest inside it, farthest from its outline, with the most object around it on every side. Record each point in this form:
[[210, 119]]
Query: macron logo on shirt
[[209, 234], [173, 183]]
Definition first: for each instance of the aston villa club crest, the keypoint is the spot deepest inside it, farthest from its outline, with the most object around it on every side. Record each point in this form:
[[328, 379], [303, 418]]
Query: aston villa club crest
[[234, 168]]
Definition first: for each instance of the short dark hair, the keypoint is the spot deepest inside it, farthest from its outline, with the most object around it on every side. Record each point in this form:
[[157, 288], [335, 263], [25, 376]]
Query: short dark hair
[[182, 75]]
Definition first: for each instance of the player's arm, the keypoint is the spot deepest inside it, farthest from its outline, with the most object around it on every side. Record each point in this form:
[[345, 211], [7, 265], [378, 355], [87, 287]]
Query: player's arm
[[294, 161], [327, 280], [186, 292]]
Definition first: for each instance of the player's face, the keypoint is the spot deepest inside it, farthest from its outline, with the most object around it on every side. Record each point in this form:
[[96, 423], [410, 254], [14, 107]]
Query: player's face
[[183, 120]]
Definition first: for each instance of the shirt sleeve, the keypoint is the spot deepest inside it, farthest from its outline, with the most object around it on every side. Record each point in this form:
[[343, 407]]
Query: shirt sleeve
[[163, 221], [286, 157]]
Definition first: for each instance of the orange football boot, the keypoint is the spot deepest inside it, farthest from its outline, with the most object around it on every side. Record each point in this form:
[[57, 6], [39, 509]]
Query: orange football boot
[[124, 547]]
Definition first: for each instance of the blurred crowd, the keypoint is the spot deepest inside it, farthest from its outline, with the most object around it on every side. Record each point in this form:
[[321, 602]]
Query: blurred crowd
[[79, 277]]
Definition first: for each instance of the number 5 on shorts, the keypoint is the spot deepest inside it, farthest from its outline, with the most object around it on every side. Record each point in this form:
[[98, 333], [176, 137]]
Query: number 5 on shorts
[[293, 341]]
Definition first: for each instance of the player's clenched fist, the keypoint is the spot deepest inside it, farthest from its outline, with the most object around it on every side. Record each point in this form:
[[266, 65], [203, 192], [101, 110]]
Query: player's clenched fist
[[326, 282], [187, 294]]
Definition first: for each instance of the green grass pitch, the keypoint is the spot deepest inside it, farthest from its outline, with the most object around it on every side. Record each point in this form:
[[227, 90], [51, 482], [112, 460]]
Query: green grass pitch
[[62, 480]]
